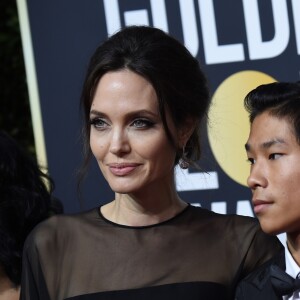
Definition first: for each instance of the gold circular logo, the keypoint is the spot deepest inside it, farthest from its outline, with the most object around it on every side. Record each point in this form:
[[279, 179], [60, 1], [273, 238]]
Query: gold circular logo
[[229, 126]]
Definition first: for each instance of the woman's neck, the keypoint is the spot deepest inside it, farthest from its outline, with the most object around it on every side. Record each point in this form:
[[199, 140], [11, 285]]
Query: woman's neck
[[143, 210]]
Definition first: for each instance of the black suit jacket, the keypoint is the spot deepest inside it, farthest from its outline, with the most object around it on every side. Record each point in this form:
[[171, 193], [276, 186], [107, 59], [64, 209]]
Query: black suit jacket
[[257, 285]]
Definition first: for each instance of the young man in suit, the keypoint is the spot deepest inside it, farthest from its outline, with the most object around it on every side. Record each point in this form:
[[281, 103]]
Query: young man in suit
[[273, 150]]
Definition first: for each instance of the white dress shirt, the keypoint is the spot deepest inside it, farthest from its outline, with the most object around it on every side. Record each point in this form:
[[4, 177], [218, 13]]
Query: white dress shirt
[[293, 270]]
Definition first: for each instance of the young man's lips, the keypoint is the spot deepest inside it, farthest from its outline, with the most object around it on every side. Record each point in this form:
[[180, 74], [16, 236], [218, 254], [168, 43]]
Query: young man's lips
[[260, 205], [122, 169]]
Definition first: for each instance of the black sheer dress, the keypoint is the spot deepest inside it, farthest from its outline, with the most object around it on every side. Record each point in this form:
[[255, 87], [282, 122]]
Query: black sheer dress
[[197, 254]]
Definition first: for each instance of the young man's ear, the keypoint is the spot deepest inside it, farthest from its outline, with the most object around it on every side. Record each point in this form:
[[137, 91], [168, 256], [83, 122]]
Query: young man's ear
[[185, 131]]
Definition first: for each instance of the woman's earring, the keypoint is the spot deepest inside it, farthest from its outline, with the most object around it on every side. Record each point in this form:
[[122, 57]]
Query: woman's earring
[[183, 163]]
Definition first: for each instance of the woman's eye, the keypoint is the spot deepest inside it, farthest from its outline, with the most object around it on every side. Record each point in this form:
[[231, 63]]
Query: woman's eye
[[98, 123], [275, 156], [142, 123]]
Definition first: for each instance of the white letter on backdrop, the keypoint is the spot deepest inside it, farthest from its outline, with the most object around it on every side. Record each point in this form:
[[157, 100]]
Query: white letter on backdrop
[[215, 53], [257, 48], [112, 16], [189, 25], [159, 15], [139, 17], [296, 10]]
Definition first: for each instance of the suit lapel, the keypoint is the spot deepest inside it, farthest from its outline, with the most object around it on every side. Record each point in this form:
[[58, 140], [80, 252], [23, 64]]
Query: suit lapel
[[263, 280]]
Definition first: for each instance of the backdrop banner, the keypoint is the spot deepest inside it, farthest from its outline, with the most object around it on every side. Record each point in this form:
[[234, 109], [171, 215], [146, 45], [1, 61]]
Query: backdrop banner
[[239, 43]]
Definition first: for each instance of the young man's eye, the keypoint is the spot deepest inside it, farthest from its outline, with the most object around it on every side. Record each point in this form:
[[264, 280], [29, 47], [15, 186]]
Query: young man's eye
[[251, 160], [274, 156], [142, 123]]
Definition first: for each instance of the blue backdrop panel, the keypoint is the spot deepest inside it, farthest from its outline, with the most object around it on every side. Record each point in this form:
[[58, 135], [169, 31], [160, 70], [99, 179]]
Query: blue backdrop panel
[[226, 36]]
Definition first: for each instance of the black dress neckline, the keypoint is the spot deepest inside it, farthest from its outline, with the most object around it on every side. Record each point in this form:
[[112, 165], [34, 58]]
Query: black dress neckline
[[178, 215]]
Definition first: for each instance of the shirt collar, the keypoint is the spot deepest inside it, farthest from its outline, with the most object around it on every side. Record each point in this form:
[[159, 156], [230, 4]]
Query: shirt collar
[[291, 266]]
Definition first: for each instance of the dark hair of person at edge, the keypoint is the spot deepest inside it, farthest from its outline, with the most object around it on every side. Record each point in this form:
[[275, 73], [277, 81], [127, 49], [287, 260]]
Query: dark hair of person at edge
[[25, 200]]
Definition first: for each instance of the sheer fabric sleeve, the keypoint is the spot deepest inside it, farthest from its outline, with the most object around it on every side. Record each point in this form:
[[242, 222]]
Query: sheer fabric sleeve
[[262, 247], [33, 286]]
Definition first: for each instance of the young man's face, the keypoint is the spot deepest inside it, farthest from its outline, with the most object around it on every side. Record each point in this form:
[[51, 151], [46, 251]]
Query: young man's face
[[274, 154]]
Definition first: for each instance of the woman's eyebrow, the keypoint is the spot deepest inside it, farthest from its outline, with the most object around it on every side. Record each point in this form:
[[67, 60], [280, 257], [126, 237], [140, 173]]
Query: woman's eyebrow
[[131, 113]]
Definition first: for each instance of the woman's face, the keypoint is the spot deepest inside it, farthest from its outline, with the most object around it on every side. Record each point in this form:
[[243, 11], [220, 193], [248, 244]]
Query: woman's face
[[127, 136]]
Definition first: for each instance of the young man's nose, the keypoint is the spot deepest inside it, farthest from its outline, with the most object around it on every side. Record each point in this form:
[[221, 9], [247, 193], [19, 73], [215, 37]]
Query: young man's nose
[[257, 177]]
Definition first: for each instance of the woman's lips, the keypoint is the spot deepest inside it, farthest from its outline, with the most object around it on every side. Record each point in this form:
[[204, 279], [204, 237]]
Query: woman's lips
[[260, 206], [122, 169]]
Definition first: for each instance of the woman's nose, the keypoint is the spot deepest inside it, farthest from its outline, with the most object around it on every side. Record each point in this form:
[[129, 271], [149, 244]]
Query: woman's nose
[[119, 144]]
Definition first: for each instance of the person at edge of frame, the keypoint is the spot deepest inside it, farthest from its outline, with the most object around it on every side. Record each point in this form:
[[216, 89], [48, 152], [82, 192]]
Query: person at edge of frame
[[25, 200], [273, 150]]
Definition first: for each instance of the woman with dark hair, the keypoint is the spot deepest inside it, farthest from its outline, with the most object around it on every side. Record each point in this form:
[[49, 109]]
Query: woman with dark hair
[[24, 202], [144, 99]]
